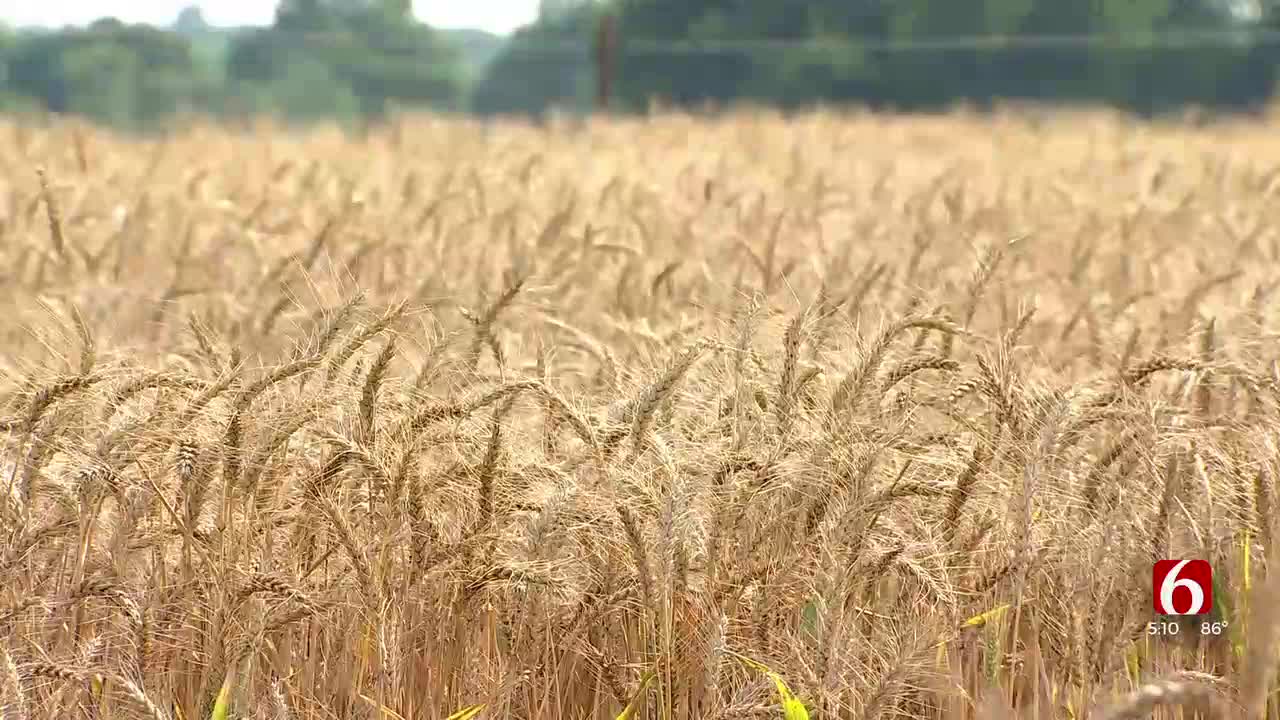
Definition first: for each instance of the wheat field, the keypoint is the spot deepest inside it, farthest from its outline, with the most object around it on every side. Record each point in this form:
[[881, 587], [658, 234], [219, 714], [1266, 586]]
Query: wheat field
[[828, 416]]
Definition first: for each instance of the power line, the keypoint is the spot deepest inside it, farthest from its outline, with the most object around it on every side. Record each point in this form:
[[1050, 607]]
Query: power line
[[1237, 38], [1162, 40], [1241, 36]]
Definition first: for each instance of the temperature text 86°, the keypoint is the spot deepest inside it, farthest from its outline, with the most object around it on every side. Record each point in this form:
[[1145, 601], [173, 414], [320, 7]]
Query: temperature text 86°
[[1170, 628]]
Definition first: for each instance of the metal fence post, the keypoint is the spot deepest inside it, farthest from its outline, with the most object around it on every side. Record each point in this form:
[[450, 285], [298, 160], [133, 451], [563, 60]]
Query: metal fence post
[[606, 53]]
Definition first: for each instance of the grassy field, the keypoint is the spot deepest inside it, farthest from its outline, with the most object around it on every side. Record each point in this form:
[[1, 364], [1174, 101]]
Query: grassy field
[[833, 416]]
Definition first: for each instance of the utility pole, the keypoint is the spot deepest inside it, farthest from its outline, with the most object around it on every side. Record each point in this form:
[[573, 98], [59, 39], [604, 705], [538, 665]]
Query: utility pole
[[606, 56]]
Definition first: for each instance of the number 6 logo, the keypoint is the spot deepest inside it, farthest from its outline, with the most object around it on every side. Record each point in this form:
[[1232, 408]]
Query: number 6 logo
[[1193, 577]]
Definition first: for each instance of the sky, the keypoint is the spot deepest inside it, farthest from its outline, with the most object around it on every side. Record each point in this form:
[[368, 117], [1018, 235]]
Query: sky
[[499, 16]]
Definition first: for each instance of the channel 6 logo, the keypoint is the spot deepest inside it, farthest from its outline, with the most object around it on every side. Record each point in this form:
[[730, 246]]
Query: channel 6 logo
[[1182, 587]]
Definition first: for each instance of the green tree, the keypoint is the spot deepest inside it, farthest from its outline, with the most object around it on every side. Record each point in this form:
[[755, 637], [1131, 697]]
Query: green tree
[[102, 81], [306, 90], [349, 58], [924, 65], [547, 64], [134, 76], [190, 21], [11, 100], [1262, 65], [374, 50]]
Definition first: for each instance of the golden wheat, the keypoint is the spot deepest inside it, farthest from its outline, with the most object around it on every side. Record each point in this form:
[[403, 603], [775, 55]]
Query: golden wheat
[[832, 415]]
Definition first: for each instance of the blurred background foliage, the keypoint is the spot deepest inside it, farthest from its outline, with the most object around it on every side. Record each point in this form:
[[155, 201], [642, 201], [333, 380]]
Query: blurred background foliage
[[355, 60]]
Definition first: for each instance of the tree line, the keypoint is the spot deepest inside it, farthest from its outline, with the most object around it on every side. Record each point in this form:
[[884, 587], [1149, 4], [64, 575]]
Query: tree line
[[319, 60], [1147, 56], [352, 60]]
